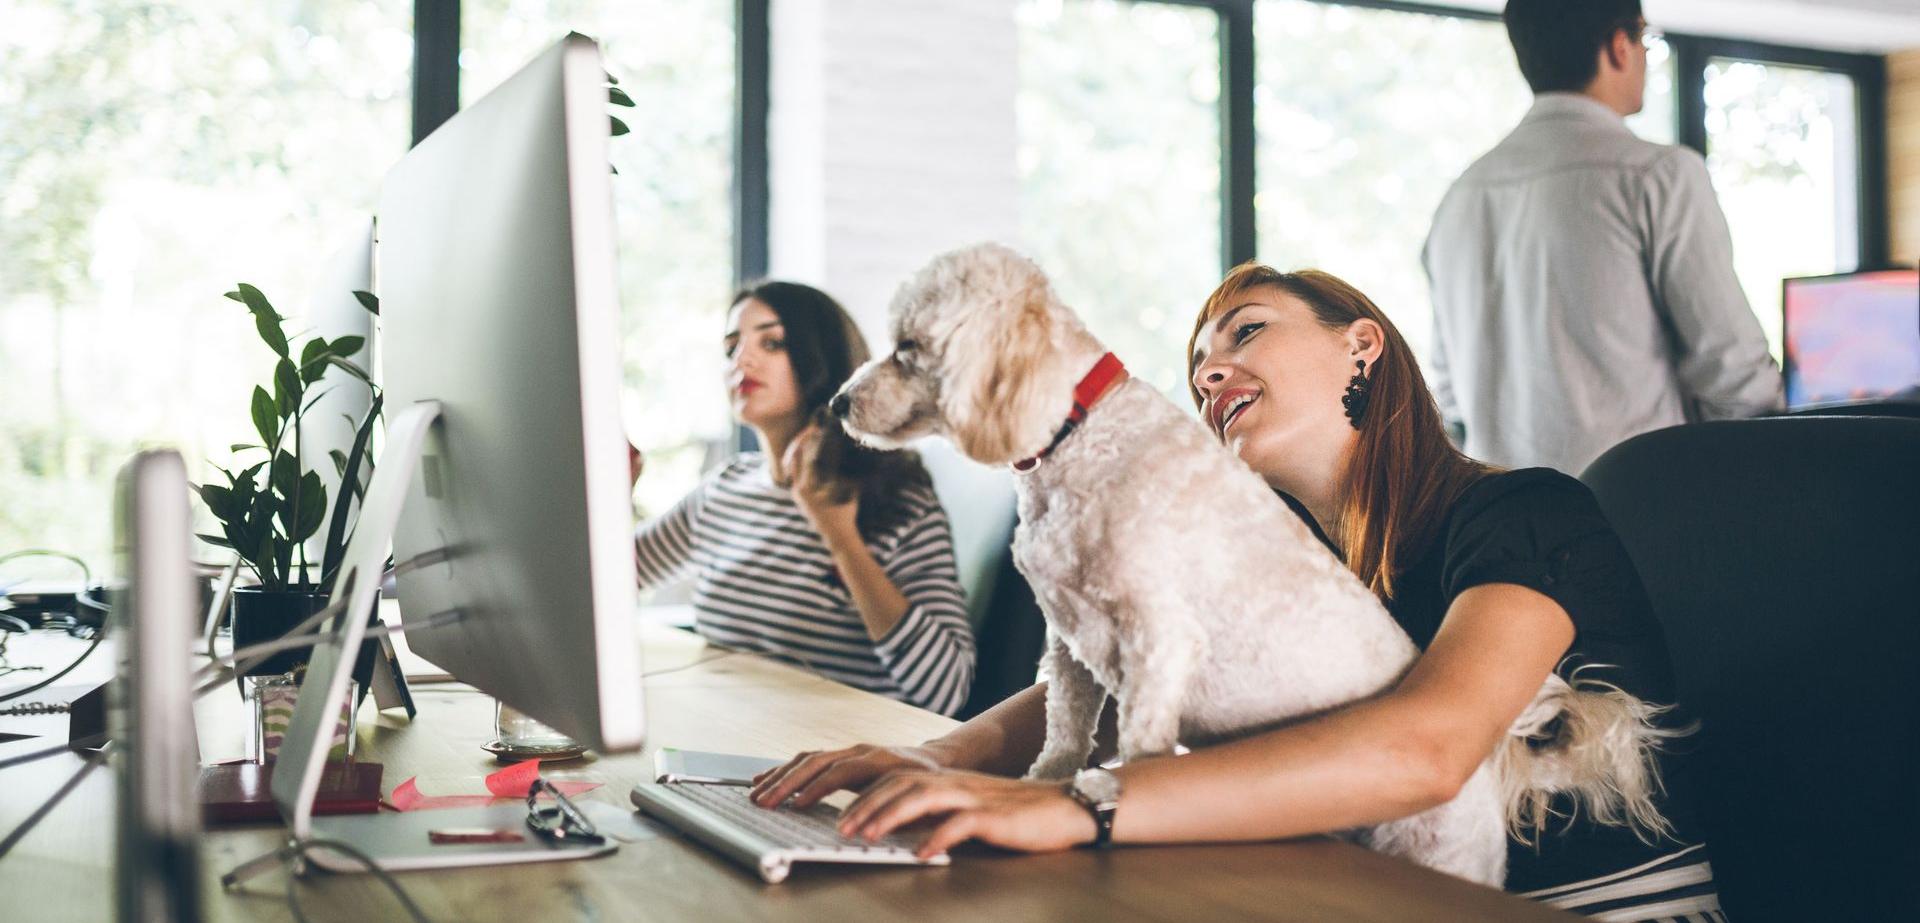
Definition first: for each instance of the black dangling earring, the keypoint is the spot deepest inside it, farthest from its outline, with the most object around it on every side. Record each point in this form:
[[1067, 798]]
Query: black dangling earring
[[1359, 389]]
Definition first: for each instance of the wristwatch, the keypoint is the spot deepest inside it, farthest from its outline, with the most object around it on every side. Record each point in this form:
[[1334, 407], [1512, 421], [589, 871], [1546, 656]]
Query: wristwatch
[[1098, 791]]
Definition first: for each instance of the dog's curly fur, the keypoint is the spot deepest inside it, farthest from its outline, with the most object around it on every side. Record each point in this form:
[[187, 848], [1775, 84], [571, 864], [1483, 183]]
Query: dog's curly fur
[[1133, 535]]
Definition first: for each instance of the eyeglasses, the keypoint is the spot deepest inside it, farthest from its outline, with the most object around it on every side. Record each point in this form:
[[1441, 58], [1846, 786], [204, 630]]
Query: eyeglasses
[[561, 822]]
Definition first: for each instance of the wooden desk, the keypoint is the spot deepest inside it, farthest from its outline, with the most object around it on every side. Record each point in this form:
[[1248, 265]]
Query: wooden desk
[[742, 704]]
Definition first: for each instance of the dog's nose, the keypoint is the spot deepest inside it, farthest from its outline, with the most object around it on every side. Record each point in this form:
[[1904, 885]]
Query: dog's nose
[[839, 406]]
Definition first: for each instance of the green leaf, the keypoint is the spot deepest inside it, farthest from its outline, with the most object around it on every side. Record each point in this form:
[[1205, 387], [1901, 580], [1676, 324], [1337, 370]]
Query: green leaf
[[265, 318], [286, 474], [351, 369], [219, 500], [266, 417], [616, 170], [213, 540], [619, 127], [246, 474], [311, 356], [339, 462], [335, 546], [235, 296], [313, 507], [241, 447], [286, 387], [611, 78], [314, 398], [619, 97], [370, 301], [346, 346], [270, 578]]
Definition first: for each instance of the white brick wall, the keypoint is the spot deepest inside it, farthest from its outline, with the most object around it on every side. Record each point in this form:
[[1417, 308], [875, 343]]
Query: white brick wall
[[891, 137]]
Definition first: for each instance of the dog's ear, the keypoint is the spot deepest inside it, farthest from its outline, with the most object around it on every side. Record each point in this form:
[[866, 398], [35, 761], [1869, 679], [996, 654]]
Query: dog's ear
[[1003, 393]]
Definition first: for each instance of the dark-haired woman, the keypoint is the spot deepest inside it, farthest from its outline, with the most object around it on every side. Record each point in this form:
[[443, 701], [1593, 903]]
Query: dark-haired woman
[[817, 550]]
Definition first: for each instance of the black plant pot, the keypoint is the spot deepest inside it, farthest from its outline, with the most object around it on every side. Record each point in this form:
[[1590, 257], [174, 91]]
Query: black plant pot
[[260, 615]]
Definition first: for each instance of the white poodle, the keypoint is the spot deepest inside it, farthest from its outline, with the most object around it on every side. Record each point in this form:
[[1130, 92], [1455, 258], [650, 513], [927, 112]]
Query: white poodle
[[1133, 532]]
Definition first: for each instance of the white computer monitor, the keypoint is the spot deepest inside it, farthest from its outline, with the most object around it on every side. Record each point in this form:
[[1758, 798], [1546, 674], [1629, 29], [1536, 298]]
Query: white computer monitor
[[333, 312], [502, 484], [495, 262]]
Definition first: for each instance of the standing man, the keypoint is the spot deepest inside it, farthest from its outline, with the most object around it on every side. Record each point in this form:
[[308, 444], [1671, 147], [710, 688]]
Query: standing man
[[1583, 285]]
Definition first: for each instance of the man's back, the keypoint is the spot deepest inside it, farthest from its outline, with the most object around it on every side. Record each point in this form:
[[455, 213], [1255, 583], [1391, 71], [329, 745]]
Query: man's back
[[1583, 292]]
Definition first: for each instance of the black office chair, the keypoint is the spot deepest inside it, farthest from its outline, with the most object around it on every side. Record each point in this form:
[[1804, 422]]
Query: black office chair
[[1783, 559]]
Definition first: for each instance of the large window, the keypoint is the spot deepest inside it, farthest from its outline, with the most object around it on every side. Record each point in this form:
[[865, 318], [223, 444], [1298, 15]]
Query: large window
[[675, 58], [1782, 147], [151, 156], [1120, 168], [1121, 159], [1364, 117]]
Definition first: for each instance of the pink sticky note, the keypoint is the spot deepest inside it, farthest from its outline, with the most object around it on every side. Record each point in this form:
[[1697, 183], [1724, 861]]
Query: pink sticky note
[[501, 785], [513, 781], [406, 795]]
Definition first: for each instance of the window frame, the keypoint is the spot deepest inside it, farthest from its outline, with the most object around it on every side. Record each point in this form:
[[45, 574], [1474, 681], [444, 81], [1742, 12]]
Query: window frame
[[437, 80], [1691, 53], [436, 97]]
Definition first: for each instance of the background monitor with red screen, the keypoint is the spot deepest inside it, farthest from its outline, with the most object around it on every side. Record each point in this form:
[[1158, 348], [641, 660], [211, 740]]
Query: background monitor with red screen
[[1852, 338]]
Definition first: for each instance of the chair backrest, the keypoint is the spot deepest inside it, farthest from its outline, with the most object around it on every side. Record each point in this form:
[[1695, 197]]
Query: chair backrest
[[980, 510], [1782, 557], [1009, 631]]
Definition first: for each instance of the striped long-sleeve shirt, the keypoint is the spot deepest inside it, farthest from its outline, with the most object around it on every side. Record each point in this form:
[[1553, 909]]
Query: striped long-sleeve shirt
[[764, 581]]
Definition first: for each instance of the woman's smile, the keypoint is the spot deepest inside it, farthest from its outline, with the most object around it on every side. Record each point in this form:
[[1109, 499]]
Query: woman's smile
[[1231, 406]]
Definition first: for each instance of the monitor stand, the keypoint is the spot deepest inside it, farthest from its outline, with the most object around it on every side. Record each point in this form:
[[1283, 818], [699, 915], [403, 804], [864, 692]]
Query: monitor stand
[[397, 841]]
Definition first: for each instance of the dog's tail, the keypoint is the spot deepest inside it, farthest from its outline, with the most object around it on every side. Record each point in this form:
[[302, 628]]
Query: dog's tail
[[1594, 741]]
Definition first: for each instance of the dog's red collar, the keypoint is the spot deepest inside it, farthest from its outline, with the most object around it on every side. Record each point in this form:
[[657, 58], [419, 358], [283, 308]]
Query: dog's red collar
[[1107, 374]]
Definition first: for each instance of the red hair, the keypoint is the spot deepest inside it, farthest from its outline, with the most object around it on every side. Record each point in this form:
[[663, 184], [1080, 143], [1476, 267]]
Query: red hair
[[1404, 473]]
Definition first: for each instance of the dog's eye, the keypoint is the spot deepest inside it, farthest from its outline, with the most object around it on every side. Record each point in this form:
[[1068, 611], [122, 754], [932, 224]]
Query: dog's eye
[[906, 346], [1242, 332]]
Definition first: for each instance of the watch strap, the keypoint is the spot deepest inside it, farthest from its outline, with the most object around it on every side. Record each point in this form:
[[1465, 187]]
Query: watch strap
[[1102, 816]]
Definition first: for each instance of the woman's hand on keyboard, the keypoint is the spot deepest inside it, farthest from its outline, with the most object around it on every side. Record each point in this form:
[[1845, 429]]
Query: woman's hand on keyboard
[[811, 776], [1008, 813]]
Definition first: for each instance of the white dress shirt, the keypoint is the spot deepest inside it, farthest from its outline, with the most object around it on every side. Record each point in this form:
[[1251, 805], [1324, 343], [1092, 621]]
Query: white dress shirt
[[1583, 292]]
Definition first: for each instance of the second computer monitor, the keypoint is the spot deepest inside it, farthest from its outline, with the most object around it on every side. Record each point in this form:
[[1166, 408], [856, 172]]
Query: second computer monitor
[[1852, 338]]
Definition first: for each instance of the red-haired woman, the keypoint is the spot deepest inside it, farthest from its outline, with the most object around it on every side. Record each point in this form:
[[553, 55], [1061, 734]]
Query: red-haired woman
[[1499, 576]]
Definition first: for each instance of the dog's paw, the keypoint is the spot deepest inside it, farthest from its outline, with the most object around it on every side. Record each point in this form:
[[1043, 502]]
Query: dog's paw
[[1055, 767]]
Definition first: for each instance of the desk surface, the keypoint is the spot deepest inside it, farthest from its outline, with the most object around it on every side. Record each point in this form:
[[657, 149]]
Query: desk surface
[[740, 704]]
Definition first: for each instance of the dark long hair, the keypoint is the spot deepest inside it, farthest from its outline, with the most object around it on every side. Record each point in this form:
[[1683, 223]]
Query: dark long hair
[[825, 347]]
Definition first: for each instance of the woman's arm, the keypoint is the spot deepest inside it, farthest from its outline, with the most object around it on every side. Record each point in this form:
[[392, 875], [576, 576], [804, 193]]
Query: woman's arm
[[910, 602], [1386, 758], [663, 545], [881, 604], [1379, 760]]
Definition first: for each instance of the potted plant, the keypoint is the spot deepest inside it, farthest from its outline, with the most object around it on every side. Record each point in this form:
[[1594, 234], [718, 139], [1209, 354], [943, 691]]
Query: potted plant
[[270, 510]]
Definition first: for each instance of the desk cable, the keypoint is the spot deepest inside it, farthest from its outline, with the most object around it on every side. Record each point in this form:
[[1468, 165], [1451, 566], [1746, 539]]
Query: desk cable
[[216, 674], [724, 654], [84, 598], [290, 857]]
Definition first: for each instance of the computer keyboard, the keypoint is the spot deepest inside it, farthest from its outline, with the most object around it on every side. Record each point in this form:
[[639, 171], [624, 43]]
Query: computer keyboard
[[767, 841]]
